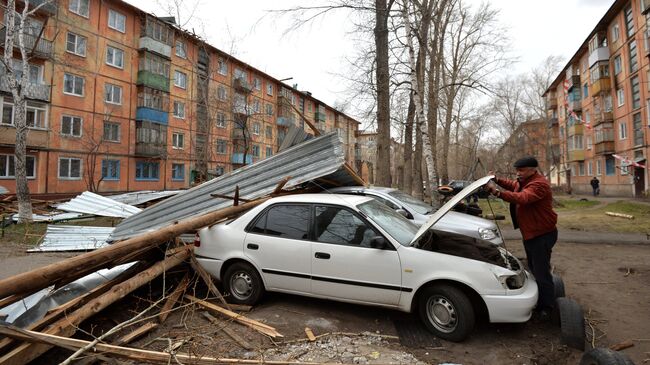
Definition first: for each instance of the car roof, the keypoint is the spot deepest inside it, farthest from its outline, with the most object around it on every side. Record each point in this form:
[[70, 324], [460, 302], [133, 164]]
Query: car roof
[[380, 189], [340, 199]]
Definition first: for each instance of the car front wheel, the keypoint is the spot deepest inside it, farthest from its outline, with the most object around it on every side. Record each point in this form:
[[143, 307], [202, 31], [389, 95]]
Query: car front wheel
[[243, 284], [447, 312]]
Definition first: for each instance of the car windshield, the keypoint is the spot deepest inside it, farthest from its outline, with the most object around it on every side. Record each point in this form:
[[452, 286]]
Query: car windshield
[[390, 221], [417, 205]]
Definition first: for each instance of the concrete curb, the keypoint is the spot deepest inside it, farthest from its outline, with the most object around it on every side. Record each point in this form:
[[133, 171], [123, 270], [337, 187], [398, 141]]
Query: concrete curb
[[571, 236]]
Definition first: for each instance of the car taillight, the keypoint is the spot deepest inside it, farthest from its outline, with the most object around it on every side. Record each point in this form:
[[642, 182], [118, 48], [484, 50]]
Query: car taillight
[[197, 240]]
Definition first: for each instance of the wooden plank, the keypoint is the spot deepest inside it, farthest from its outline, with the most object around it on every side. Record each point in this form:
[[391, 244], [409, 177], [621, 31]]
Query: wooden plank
[[173, 298], [232, 334], [310, 334], [138, 332], [94, 260], [148, 356], [622, 345], [619, 215], [207, 279]]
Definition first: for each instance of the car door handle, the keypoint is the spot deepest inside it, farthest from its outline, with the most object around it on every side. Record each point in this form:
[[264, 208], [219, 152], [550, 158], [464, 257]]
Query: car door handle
[[252, 246], [322, 255]]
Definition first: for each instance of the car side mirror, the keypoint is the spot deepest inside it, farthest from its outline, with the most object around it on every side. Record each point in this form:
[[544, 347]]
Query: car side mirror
[[378, 242], [403, 212]]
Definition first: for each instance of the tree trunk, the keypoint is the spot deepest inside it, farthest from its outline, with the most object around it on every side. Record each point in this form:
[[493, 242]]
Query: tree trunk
[[408, 147], [449, 117], [382, 165], [22, 189], [417, 161]]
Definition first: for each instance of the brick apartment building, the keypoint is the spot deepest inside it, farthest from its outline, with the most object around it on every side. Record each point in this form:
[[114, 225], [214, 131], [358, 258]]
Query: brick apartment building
[[120, 100], [608, 91], [531, 138]]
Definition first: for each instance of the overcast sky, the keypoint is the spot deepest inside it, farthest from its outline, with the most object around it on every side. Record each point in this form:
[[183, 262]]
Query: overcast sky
[[315, 55]]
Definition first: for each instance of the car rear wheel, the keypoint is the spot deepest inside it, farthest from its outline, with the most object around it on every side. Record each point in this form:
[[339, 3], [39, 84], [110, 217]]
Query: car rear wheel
[[558, 283], [447, 312], [243, 284], [572, 323], [604, 356]]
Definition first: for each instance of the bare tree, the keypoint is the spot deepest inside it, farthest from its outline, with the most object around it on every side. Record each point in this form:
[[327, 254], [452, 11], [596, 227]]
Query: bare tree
[[18, 28]]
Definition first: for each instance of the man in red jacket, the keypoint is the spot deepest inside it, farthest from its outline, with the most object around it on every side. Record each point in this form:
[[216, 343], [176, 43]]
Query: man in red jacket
[[531, 199]]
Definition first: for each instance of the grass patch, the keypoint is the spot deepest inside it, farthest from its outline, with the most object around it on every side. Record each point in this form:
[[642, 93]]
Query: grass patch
[[570, 204], [30, 233], [629, 207]]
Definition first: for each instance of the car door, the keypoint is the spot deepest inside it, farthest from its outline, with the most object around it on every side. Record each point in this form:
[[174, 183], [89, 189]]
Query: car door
[[343, 263], [278, 243]]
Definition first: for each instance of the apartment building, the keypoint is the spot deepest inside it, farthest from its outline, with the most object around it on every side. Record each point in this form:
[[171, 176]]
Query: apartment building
[[599, 105], [121, 100], [531, 138]]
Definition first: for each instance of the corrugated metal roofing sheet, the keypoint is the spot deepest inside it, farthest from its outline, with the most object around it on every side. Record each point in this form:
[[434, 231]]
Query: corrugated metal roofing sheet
[[91, 203], [321, 157], [140, 197], [52, 217], [73, 238]]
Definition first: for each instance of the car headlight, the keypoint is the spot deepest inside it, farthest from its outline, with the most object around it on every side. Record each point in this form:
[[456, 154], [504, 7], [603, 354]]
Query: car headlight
[[487, 234], [509, 279]]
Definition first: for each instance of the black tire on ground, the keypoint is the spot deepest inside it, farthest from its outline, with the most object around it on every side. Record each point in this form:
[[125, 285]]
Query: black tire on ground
[[572, 323], [559, 286], [447, 312], [604, 356], [243, 284]]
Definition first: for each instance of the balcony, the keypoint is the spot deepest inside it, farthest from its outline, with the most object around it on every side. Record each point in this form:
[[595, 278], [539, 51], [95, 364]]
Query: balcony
[[576, 129], [34, 91], [153, 80], [575, 105], [153, 45], [49, 8], [601, 85], [286, 121], [603, 117], [238, 158], [599, 54], [552, 122], [40, 49], [605, 147], [320, 116], [574, 81], [237, 133], [551, 101], [148, 149], [576, 155], [152, 115], [240, 84]]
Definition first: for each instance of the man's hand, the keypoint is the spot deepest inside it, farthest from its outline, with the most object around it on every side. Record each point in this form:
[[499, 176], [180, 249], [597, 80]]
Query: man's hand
[[491, 187]]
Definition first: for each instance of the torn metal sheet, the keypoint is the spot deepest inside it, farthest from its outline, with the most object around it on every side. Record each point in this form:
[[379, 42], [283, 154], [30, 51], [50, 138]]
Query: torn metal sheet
[[73, 238], [52, 217], [294, 136], [318, 158], [91, 203], [34, 307], [141, 197]]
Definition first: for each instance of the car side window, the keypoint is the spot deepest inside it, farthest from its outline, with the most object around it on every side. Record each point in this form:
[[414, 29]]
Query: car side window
[[341, 226], [286, 221], [385, 201]]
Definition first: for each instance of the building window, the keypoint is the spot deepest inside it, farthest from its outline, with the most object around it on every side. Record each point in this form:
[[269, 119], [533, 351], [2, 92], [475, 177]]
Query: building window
[[71, 126], [80, 7], [638, 129], [113, 94], [179, 109], [634, 62], [221, 93], [147, 170], [269, 151], [181, 49], [269, 109], [257, 106], [154, 64], [69, 168], [73, 84], [590, 169], [8, 166], [111, 132], [76, 44], [178, 172], [222, 67], [116, 21], [598, 171], [110, 169], [158, 30], [114, 57], [636, 93], [256, 128], [589, 142], [222, 147], [36, 115], [620, 97], [153, 98], [618, 65], [610, 166], [581, 168], [269, 132], [221, 120], [622, 130], [178, 140], [269, 89], [256, 150], [257, 84], [629, 21], [180, 79], [616, 32], [585, 91]]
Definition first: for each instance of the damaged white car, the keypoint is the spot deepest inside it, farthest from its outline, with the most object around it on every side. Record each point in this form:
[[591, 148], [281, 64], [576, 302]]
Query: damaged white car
[[355, 249]]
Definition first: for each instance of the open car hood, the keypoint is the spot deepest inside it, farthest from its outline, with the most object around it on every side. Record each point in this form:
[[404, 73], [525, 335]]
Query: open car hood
[[435, 217]]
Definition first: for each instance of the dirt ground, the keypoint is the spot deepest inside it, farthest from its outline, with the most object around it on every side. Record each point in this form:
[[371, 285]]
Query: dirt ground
[[609, 281]]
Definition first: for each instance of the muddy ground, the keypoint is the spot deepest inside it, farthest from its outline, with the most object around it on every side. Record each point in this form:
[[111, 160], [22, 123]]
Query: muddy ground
[[609, 281]]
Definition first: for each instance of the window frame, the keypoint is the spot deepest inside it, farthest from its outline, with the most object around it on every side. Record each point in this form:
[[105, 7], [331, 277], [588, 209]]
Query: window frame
[[77, 11], [622, 130], [119, 131], [74, 84], [72, 120], [13, 177], [620, 97], [115, 51], [182, 48], [221, 120], [117, 16], [109, 90], [178, 143], [176, 79], [182, 177], [70, 159], [224, 144], [263, 214], [110, 178], [176, 110], [78, 37], [141, 164]]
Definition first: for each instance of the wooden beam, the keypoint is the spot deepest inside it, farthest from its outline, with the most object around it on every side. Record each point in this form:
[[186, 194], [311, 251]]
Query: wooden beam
[[173, 298], [207, 279], [224, 196], [92, 261], [232, 334], [280, 186], [236, 199], [138, 332]]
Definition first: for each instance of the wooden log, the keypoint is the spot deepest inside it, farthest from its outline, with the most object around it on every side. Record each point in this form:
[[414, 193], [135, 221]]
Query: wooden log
[[173, 298], [92, 261], [141, 355], [619, 215], [67, 325], [138, 332], [258, 326], [621, 345], [310, 334], [232, 334], [207, 279], [280, 186]]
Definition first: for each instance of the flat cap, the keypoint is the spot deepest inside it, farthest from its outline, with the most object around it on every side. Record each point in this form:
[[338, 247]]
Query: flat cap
[[528, 161]]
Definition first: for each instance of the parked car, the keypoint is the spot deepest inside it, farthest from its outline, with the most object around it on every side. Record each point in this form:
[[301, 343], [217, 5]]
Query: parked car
[[354, 249], [419, 212]]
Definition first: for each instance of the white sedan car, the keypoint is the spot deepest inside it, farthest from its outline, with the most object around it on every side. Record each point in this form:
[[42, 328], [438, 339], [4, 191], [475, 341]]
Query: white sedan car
[[355, 249]]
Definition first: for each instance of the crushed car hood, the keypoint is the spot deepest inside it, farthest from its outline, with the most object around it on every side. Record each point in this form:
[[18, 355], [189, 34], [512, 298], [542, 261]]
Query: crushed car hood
[[435, 217]]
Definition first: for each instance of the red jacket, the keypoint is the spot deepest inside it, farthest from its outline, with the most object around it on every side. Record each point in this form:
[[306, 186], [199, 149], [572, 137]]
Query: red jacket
[[534, 207]]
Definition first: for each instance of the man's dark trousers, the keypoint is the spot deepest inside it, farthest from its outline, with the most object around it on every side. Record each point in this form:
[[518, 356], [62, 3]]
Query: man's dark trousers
[[538, 253]]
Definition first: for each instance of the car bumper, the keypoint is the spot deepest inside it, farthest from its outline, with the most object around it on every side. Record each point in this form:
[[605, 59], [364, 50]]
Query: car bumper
[[212, 266], [515, 307]]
